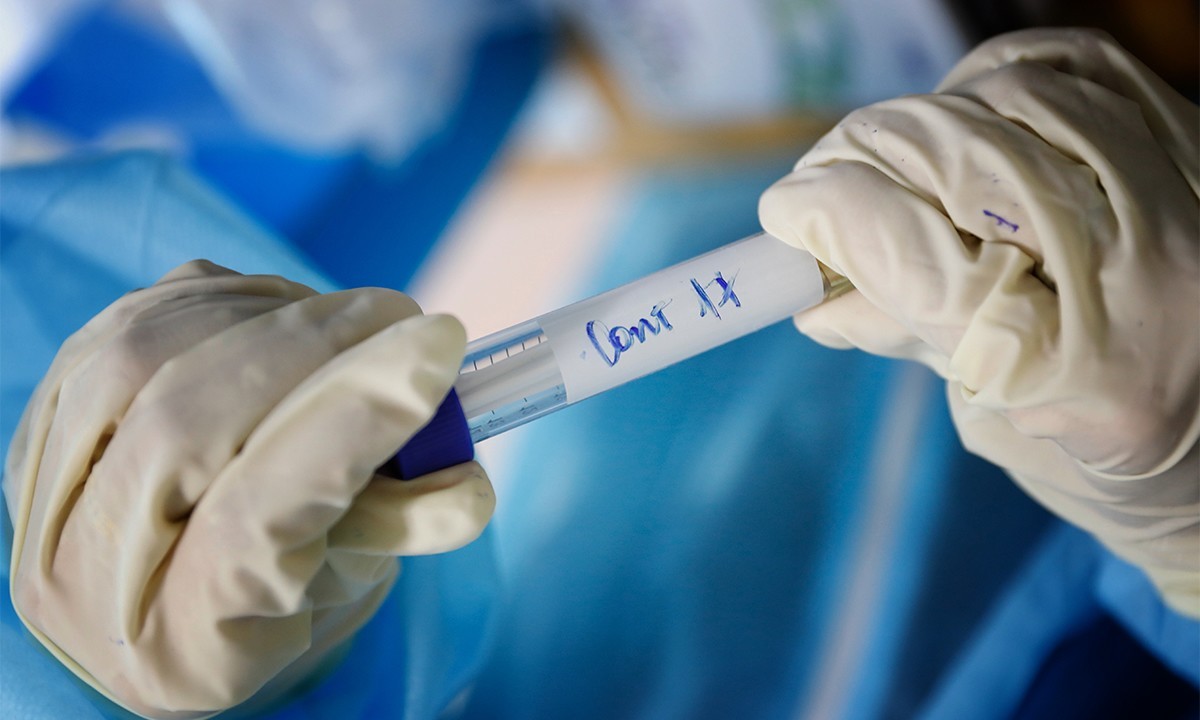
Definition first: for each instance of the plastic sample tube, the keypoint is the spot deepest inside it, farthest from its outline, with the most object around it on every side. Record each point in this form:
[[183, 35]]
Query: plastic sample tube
[[516, 375]]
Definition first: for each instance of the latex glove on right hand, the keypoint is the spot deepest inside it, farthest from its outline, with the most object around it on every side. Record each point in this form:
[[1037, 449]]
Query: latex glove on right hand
[[193, 492], [1032, 232]]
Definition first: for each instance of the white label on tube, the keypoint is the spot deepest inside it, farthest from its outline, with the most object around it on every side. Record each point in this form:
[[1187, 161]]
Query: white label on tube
[[679, 312]]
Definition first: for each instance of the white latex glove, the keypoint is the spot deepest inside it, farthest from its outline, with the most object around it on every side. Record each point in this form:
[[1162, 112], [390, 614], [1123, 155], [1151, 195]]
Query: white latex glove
[[193, 492], [1031, 231]]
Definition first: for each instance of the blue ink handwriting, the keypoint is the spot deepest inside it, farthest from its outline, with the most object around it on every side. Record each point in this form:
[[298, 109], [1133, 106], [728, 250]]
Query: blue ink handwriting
[[727, 295], [611, 343], [1001, 221]]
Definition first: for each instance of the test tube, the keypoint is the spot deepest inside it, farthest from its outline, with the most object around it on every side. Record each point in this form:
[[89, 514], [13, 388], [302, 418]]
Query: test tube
[[529, 370], [524, 372]]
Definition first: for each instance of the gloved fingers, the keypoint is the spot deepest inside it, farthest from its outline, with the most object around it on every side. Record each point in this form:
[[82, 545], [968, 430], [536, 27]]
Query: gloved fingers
[[1152, 521], [197, 280], [1104, 133], [299, 471], [852, 321], [434, 513], [346, 577], [98, 392], [1094, 56], [905, 257], [990, 251], [116, 339], [197, 411], [1112, 268], [192, 418], [199, 268], [980, 307], [1036, 226], [995, 179], [99, 370], [823, 322]]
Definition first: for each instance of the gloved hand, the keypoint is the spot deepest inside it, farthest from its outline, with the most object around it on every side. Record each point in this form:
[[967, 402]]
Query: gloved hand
[[1030, 231], [193, 492]]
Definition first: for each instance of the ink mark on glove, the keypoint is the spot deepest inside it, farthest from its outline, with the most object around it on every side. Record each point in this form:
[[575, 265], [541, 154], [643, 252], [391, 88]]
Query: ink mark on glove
[[1001, 221]]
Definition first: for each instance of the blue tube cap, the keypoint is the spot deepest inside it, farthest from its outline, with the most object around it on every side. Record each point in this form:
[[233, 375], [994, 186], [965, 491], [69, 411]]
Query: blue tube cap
[[444, 442]]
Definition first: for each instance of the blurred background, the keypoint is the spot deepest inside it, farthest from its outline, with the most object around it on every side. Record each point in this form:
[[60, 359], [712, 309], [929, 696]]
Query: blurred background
[[365, 132]]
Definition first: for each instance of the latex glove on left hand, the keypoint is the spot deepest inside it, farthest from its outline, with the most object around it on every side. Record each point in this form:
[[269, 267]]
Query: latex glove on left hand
[[193, 492], [1032, 232]]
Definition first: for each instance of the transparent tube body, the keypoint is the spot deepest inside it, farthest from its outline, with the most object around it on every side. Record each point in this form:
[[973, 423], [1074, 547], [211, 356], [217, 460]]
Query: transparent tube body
[[539, 366], [509, 378]]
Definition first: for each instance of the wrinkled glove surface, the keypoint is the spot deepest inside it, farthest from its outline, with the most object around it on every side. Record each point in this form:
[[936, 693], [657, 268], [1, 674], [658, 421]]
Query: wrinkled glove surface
[[193, 488], [1031, 231]]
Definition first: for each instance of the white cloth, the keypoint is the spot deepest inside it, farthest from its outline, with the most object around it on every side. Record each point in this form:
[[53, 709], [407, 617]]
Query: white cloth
[[192, 486], [1032, 232]]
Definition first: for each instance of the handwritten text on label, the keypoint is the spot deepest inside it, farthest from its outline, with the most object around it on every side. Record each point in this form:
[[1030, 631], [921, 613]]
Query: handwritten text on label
[[611, 343]]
